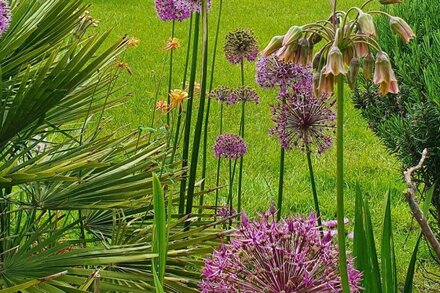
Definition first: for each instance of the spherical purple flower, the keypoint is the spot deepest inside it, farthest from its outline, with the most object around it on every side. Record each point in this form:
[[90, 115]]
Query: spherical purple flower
[[244, 94], [304, 120], [229, 146], [272, 72], [268, 256], [190, 5], [5, 16], [222, 94], [239, 45], [168, 10]]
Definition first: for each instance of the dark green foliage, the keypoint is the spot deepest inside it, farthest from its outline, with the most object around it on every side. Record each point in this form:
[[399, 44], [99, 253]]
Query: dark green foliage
[[410, 121]]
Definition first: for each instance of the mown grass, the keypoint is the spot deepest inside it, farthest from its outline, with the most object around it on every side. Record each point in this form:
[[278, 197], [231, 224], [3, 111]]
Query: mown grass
[[367, 162]]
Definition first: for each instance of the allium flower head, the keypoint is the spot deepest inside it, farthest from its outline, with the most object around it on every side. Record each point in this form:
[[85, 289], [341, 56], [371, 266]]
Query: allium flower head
[[268, 256], [239, 45], [5, 16], [271, 72], [190, 5], [229, 146], [244, 94], [221, 94], [304, 120], [169, 10]]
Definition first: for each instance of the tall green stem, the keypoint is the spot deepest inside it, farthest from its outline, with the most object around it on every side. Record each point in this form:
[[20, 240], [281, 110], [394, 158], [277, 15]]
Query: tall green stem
[[208, 107], [201, 111], [315, 194], [340, 184], [240, 172], [217, 179], [185, 72], [170, 76], [187, 134], [281, 184]]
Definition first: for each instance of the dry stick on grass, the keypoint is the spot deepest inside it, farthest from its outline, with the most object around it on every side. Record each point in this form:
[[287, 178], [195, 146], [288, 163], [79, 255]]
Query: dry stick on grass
[[417, 213]]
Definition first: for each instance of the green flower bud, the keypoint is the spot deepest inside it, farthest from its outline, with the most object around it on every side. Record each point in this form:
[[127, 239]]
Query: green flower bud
[[274, 45], [292, 35]]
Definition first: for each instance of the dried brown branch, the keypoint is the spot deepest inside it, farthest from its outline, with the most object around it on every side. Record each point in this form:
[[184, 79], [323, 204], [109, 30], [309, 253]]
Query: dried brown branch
[[410, 195]]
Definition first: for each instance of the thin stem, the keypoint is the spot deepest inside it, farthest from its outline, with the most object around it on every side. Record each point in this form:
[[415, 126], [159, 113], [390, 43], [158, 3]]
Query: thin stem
[[240, 172], [217, 179], [208, 107], [281, 184], [201, 111], [315, 194], [340, 185], [170, 76], [188, 116]]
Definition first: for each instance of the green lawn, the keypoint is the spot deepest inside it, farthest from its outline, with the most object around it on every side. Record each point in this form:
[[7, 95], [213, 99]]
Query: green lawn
[[367, 162]]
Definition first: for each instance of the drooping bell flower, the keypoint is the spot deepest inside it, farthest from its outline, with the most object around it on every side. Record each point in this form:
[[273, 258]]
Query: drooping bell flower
[[402, 29], [368, 66], [335, 62], [326, 82], [366, 24], [353, 72], [384, 75]]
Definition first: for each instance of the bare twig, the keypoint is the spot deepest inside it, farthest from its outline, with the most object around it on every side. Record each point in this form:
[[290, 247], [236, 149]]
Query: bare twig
[[415, 209]]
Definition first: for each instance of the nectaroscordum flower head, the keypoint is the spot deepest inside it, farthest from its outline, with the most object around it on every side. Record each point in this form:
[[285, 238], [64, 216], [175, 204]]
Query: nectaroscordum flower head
[[169, 10], [229, 146], [239, 45], [268, 256], [292, 35], [302, 120], [5, 16], [401, 28], [272, 72], [222, 94], [244, 94]]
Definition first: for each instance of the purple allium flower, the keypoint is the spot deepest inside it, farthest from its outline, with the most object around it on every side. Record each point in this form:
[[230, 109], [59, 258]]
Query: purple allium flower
[[229, 146], [244, 94], [225, 212], [5, 16], [239, 45], [303, 120], [222, 94], [170, 10], [272, 72], [268, 256], [190, 5]]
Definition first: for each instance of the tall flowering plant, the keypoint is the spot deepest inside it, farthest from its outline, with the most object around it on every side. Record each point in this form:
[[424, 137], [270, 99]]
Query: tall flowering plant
[[349, 39], [231, 147], [277, 256]]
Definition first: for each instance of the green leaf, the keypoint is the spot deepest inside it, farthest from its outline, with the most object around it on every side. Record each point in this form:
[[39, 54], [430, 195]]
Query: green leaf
[[388, 259]]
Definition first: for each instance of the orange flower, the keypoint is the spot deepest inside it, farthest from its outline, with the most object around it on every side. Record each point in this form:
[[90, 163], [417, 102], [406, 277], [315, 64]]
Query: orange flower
[[133, 42], [177, 98], [172, 44], [123, 65], [162, 106]]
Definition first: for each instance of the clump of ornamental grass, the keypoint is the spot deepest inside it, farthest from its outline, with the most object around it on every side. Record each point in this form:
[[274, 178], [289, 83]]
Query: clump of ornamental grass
[[239, 45], [5, 16], [269, 256]]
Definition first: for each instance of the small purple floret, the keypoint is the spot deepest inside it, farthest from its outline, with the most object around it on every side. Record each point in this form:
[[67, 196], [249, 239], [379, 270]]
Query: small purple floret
[[5, 16]]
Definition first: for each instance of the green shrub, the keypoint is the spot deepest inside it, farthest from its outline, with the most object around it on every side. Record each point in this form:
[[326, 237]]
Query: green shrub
[[410, 121]]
